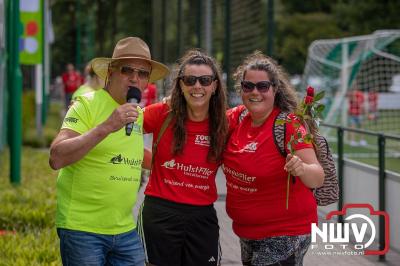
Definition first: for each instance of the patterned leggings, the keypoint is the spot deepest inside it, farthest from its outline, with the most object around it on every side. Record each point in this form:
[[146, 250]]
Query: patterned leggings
[[276, 251]]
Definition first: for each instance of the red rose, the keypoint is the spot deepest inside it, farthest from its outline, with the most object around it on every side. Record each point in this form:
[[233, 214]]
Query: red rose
[[308, 99], [310, 91]]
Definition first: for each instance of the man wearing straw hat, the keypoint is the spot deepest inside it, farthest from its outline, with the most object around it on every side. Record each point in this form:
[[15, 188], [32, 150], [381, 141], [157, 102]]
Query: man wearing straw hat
[[100, 165]]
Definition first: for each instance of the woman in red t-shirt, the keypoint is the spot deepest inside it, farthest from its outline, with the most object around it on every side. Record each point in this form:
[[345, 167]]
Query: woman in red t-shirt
[[256, 172], [178, 222]]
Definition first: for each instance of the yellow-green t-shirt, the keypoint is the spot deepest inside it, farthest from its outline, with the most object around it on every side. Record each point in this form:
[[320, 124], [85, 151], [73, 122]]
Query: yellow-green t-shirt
[[83, 89], [97, 193]]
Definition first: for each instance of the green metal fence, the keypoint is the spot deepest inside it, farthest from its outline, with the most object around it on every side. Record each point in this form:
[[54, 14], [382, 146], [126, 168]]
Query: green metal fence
[[381, 143], [3, 94]]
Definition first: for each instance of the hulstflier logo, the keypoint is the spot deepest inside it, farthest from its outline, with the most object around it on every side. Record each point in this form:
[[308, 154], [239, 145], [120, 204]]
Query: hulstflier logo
[[357, 234], [169, 164], [188, 169], [119, 159]]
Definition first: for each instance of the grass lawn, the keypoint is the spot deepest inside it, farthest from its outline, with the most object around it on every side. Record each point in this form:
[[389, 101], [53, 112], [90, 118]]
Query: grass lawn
[[29, 211], [369, 154]]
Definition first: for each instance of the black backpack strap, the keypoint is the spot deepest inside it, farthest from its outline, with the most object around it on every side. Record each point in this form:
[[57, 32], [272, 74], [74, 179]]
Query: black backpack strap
[[160, 133], [279, 132]]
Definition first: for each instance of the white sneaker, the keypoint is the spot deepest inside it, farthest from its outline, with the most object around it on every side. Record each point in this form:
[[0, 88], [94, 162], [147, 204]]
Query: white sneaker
[[363, 142], [353, 143]]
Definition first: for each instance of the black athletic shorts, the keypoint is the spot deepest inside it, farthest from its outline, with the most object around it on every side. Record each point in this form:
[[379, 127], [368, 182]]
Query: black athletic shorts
[[175, 234]]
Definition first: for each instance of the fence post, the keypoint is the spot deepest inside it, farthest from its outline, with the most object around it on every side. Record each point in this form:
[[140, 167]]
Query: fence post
[[340, 170], [227, 45], [14, 84], [382, 203]]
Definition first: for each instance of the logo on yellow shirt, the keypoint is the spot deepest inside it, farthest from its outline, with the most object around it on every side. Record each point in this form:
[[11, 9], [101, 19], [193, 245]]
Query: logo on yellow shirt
[[119, 159], [71, 119]]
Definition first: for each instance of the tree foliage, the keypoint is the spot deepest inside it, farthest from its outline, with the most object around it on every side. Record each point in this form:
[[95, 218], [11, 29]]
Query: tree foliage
[[101, 24], [297, 24], [298, 32]]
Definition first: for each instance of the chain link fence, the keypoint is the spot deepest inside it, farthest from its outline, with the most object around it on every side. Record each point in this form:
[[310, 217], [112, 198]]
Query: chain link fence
[[227, 29]]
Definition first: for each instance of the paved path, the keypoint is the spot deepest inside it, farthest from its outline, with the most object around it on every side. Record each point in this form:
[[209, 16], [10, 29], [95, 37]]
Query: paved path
[[231, 249]]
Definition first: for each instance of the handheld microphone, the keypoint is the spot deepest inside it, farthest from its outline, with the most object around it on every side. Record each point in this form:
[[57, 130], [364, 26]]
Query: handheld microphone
[[134, 96]]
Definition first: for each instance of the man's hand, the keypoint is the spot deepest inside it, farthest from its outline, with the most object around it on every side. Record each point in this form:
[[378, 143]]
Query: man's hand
[[124, 114]]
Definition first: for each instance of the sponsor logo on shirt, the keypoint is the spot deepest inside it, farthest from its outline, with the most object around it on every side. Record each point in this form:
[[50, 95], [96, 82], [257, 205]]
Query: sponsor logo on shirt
[[202, 140], [71, 119], [188, 169], [123, 178], [119, 159], [251, 147], [238, 176], [169, 164]]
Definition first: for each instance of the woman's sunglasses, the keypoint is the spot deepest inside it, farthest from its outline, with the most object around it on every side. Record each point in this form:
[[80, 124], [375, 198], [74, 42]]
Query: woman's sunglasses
[[262, 86], [205, 80], [129, 71]]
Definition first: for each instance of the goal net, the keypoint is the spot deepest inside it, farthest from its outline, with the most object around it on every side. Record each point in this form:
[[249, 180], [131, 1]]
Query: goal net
[[361, 78]]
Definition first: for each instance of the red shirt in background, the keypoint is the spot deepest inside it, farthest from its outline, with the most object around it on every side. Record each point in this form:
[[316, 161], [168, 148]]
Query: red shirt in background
[[184, 178], [356, 103], [149, 94], [256, 183], [372, 101], [72, 81]]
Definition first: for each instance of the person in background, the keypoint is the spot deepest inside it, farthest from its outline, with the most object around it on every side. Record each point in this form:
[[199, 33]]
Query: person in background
[[149, 97], [177, 221], [373, 114], [150, 94], [93, 82], [71, 81], [100, 165], [270, 232], [356, 112]]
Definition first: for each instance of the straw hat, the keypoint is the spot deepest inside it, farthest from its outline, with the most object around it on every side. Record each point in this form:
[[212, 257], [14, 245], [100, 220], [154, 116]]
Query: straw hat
[[130, 48]]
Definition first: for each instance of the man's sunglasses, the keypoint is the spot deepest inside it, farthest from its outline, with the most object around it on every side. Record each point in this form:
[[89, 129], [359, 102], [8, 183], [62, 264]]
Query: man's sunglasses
[[262, 86], [129, 71], [205, 80]]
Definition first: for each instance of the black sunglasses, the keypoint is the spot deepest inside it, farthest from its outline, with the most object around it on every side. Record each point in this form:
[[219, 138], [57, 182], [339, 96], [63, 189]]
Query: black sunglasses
[[129, 71], [262, 86], [205, 80]]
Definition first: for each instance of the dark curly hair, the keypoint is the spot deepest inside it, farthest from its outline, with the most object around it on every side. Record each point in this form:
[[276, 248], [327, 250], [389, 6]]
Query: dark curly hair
[[285, 96]]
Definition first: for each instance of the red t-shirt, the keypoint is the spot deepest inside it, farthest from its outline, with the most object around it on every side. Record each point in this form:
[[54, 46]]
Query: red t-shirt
[[356, 103], [184, 178], [72, 81], [256, 183], [372, 101], [149, 94]]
